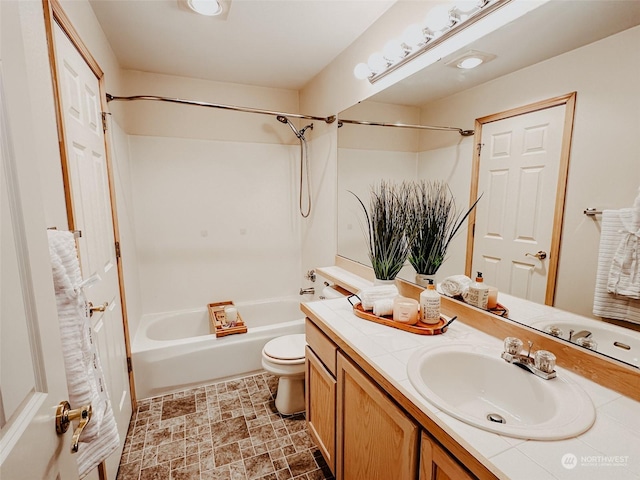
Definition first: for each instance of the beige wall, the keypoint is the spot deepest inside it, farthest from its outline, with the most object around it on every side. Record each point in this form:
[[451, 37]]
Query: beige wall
[[182, 121]]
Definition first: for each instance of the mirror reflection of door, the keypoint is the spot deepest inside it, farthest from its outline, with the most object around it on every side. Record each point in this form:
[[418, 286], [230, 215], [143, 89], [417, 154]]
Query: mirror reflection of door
[[520, 169]]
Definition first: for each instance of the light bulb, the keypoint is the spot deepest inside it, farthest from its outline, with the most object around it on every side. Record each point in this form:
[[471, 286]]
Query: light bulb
[[376, 62], [209, 8], [362, 71], [466, 7], [438, 18], [413, 35], [393, 51]]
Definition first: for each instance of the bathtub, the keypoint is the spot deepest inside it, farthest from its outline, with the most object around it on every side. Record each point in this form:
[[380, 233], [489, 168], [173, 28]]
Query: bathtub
[[175, 351]]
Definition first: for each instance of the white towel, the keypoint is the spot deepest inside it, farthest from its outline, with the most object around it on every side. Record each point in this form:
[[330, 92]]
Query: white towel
[[624, 275], [379, 292], [383, 307], [605, 304], [85, 381], [455, 285]]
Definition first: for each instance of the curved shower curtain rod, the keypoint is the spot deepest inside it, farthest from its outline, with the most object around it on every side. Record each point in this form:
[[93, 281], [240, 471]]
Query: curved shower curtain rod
[[110, 98], [464, 133]]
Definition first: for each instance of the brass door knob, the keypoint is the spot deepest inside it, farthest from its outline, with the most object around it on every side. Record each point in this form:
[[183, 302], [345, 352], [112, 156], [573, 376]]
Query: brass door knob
[[65, 415], [540, 255], [99, 308]]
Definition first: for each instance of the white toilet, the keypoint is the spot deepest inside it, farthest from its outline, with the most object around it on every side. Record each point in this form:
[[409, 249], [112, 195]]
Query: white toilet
[[284, 358]]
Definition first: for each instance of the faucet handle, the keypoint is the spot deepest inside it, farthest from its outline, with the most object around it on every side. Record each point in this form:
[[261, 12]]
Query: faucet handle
[[512, 345], [545, 361]]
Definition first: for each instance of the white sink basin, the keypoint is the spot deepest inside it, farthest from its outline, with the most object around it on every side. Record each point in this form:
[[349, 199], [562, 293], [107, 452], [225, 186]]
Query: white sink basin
[[614, 341], [473, 385]]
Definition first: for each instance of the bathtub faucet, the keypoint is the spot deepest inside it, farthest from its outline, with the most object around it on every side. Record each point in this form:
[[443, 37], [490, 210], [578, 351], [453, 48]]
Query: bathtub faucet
[[307, 291]]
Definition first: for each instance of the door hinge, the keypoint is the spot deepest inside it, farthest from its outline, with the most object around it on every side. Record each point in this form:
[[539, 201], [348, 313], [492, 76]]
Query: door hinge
[[118, 254], [104, 120], [129, 366], [480, 148]]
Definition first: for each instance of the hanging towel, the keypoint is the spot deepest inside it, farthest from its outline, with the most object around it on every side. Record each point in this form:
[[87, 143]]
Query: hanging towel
[[624, 275], [606, 304], [85, 381]]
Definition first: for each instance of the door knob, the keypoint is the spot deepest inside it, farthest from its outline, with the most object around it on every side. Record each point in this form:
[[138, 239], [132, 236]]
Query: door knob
[[64, 417], [540, 255], [99, 308]]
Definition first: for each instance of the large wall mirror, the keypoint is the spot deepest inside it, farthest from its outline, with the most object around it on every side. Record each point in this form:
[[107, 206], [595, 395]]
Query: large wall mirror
[[558, 49]]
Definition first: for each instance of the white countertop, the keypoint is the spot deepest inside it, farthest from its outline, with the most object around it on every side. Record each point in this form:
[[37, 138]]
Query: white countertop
[[609, 450]]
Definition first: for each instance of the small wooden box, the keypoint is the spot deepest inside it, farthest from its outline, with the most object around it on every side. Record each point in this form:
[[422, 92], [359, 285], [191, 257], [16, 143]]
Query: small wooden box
[[217, 320]]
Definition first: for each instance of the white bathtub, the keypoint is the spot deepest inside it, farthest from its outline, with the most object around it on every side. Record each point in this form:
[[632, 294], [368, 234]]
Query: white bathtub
[[174, 351]]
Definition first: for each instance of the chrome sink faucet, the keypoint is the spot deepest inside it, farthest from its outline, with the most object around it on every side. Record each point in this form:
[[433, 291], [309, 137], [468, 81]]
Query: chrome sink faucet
[[541, 364], [584, 338], [574, 337]]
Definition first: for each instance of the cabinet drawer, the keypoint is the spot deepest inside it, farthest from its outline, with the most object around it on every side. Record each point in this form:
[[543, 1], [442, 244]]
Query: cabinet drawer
[[322, 346]]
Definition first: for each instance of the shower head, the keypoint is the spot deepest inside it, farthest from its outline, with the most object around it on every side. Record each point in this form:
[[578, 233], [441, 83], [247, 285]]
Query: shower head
[[283, 119], [302, 130]]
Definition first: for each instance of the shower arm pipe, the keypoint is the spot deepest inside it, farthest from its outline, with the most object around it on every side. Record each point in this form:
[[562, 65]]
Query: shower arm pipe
[[464, 133], [110, 98]]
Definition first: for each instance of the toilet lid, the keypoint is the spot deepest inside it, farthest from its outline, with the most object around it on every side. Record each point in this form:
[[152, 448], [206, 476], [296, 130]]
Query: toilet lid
[[288, 347]]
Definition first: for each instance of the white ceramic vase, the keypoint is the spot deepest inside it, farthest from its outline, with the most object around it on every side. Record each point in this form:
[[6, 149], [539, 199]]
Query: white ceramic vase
[[422, 280]]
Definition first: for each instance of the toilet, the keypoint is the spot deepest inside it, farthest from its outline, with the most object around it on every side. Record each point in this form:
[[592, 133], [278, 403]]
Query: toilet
[[284, 358]]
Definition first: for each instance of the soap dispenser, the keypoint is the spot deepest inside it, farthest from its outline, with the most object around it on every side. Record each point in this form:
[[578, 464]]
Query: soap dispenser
[[478, 294], [430, 305]]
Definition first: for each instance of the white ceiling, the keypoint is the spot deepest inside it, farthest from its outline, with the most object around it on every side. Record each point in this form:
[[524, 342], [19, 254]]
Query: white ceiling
[[285, 43], [271, 43]]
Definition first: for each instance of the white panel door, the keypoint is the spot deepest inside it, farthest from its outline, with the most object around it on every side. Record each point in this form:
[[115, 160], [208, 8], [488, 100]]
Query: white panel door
[[89, 187], [519, 165], [32, 374]]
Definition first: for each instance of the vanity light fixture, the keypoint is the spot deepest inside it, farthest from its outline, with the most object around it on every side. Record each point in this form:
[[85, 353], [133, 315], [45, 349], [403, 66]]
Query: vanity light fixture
[[442, 22]]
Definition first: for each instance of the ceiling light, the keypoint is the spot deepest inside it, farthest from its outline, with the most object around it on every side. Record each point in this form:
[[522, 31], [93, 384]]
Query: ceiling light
[[469, 63], [470, 59], [210, 8]]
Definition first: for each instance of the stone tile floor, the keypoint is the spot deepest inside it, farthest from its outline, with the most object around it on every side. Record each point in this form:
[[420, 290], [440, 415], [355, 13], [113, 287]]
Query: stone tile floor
[[225, 431]]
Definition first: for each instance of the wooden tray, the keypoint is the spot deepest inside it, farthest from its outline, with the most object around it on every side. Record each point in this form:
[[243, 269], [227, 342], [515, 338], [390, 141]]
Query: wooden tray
[[500, 309], [419, 328], [217, 320]]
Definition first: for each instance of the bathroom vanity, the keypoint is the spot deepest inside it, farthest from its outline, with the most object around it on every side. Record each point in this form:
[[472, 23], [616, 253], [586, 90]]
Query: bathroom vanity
[[370, 422]]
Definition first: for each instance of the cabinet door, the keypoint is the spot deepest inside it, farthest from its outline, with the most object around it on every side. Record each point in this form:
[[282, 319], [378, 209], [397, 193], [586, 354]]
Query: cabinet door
[[375, 439], [321, 407], [437, 464]]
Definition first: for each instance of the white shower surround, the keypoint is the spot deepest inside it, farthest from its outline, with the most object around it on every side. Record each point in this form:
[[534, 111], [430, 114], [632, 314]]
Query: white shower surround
[[215, 221], [174, 351]]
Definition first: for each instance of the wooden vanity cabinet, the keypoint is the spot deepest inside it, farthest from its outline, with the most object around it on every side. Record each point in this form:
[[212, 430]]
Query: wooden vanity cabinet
[[320, 397], [437, 464], [376, 440], [360, 430]]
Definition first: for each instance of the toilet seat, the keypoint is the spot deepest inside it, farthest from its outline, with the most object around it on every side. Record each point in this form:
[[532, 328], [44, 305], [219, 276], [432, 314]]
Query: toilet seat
[[286, 350]]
